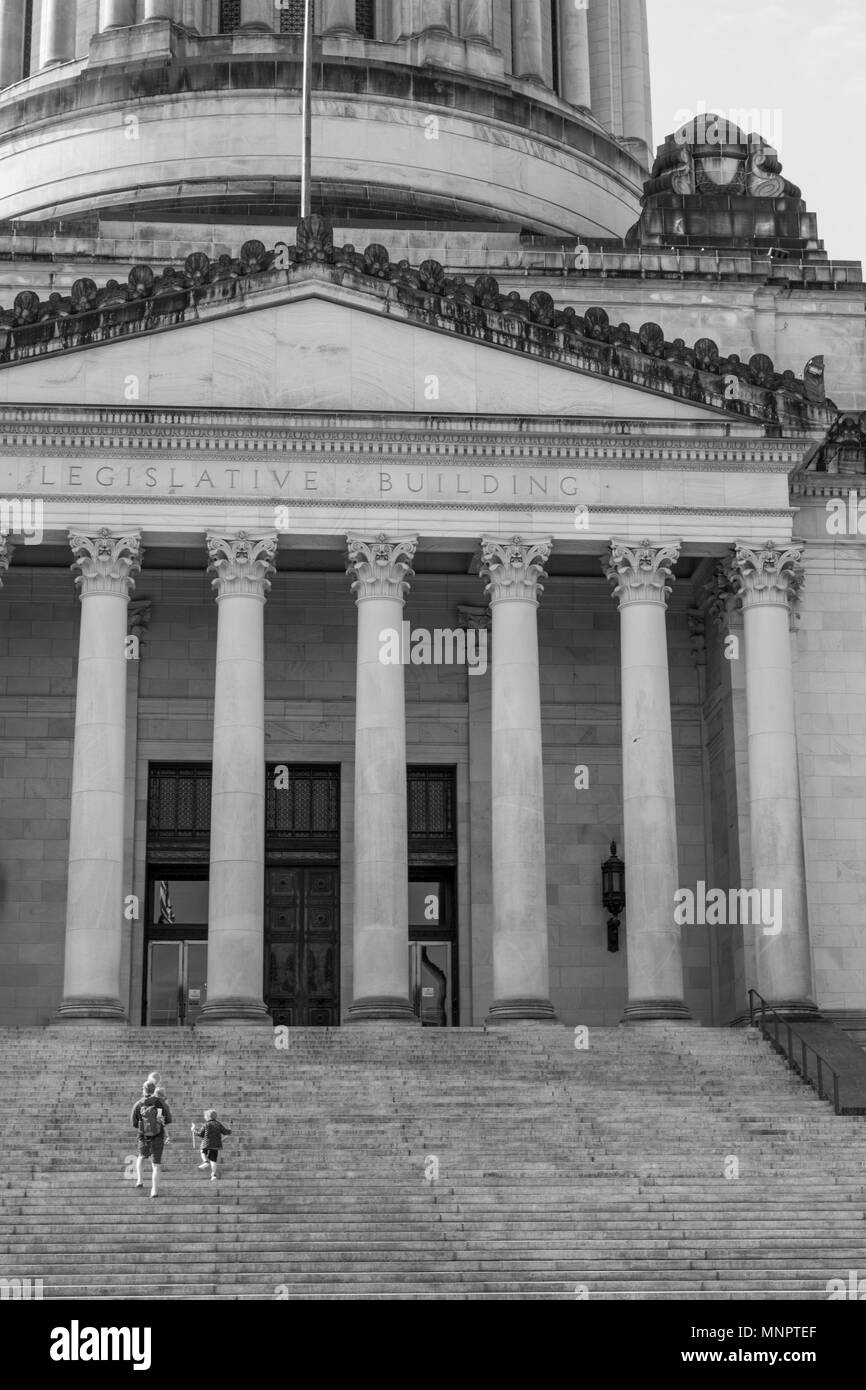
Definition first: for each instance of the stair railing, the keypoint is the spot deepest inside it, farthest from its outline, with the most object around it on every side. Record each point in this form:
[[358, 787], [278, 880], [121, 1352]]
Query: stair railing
[[802, 1065]]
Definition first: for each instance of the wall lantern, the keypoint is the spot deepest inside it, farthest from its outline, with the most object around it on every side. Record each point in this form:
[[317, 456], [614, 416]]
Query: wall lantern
[[613, 894]]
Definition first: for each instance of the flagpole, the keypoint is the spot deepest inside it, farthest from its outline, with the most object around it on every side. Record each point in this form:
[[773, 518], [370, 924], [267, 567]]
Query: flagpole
[[307, 104]]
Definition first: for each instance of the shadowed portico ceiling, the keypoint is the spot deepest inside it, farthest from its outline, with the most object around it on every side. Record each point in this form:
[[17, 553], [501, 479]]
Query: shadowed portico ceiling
[[35, 332]]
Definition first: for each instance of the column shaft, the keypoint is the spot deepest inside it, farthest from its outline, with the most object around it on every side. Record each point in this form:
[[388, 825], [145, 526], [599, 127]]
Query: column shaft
[[12, 14], [381, 917], [94, 908], [634, 70], [766, 581], [528, 40], [641, 576], [115, 13], [242, 565], [57, 40], [575, 55], [476, 20], [521, 979], [338, 16], [259, 14]]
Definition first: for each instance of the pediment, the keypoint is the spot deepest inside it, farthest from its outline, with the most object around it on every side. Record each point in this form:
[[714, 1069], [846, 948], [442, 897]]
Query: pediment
[[321, 346]]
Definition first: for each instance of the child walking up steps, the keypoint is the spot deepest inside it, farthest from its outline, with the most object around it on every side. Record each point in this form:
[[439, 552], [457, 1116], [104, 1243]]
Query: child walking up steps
[[211, 1135]]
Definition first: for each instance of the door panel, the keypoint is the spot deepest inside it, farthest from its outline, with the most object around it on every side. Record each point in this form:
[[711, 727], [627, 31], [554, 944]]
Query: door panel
[[302, 955], [195, 994], [430, 985], [164, 984], [176, 983]]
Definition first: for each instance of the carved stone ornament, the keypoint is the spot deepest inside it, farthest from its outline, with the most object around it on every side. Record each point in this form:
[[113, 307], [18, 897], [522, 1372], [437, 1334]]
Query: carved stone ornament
[[241, 563], [6, 549], [641, 573], [514, 568], [382, 568], [697, 636], [106, 563], [138, 617], [721, 599], [769, 576], [474, 619]]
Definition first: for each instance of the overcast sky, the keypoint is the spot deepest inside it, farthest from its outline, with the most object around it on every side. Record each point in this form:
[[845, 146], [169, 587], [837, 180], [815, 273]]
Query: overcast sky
[[803, 64]]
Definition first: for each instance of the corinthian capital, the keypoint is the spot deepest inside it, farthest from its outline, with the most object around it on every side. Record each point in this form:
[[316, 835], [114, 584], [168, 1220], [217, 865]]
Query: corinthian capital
[[6, 549], [106, 563], [769, 576], [241, 564], [641, 573], [514, 568], [382, 568]]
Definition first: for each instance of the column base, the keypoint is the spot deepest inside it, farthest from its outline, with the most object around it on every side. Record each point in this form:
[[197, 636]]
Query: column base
[[521, 1010], [791, 1009], [382, 1008], [234, 1010], [652, 1010], [90, 1009]]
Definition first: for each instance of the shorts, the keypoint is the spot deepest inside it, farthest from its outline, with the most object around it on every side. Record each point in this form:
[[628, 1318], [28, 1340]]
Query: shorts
[[211, 1155], [151, 1146]]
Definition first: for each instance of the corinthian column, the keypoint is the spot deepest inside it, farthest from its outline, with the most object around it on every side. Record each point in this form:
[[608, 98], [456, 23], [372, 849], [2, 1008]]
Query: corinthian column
[[767, 581], [527, 40], [476, 20], [382, 571], [114, 13], [12, 13], [58, 32], [521, 981], [575, 54], [641, 578], [106, 564], [242, 566]]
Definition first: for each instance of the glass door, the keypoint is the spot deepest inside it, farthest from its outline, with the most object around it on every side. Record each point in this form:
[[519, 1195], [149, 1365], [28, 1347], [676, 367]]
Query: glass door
[[430, 982], [176, 983]]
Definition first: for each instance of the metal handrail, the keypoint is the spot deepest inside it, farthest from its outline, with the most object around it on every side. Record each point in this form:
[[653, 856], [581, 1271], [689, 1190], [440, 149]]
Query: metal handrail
[[802, 1066]]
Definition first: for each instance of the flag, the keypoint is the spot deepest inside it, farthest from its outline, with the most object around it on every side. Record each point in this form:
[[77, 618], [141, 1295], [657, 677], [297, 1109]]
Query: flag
[[166, 911]]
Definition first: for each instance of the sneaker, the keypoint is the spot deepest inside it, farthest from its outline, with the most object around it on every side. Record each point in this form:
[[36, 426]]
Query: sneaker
[[154, 1194], [213, 1177], [202, 1166], [139, 1184]]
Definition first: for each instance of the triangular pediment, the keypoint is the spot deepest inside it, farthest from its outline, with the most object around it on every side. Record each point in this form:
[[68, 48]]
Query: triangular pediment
[[321, 346]]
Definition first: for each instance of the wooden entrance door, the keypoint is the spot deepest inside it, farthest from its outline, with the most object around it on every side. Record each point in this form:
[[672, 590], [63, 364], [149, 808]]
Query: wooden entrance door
[[302, 946]]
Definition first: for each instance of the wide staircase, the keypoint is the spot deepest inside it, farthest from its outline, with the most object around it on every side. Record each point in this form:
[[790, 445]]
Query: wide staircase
[[661, 1162]]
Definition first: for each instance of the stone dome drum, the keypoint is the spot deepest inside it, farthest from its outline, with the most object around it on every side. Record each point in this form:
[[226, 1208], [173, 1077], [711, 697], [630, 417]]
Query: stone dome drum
[[531, 113]]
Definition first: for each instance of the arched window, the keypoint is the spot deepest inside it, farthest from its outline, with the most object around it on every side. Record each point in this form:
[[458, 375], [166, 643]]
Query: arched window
[[230, 15]]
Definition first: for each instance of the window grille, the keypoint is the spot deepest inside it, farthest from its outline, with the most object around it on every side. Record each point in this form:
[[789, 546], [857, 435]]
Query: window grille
[[230, 15], [365, 18], [431, 802], [292, 17], [308, 808], [179, 801]]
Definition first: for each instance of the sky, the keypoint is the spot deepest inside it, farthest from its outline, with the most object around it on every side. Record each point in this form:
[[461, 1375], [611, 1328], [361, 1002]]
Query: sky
[[801, 64]]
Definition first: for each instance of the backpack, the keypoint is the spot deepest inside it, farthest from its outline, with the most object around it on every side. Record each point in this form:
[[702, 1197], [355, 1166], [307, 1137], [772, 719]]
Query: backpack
[[150, 1119]]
